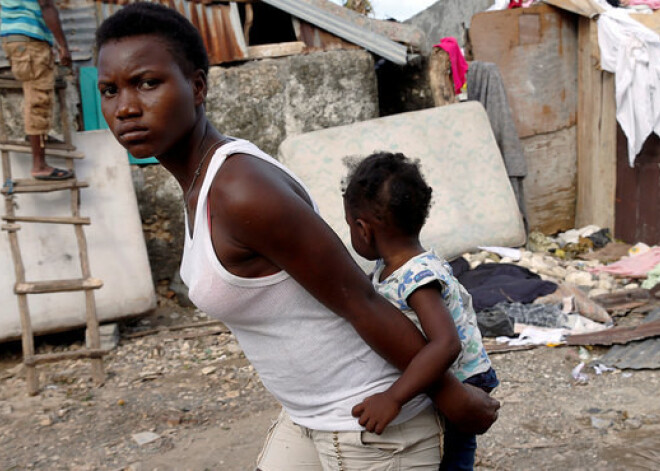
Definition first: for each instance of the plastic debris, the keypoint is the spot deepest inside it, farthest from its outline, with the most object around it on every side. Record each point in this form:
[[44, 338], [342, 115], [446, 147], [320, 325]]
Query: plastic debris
[[600, 369], [578, 376]]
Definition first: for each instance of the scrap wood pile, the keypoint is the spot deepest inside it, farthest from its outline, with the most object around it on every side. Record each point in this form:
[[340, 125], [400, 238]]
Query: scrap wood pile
[[578, 288]]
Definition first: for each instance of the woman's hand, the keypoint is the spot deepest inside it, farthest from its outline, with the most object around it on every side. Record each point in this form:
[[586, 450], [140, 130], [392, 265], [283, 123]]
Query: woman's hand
[[468, 407]]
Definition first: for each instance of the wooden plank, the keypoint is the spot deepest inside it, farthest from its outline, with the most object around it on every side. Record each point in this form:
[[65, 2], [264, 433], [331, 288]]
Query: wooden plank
[[440, 79], [48, 220], [60, 356], [50, 151], [57, 286], [550, 190], [596, 136], [276, 50], [586, 8], [535, 49], [40, 186]]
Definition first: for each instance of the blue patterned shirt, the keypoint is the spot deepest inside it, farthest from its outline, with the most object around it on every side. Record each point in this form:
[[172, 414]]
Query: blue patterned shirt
[[421, 270], [23, 17]]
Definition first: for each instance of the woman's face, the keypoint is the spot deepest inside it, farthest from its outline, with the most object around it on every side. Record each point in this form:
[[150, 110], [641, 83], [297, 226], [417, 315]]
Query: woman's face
[[146, 99]]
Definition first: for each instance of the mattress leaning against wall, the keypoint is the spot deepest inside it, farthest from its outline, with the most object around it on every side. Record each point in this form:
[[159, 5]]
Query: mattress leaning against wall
[[117, 250], [473, 202]]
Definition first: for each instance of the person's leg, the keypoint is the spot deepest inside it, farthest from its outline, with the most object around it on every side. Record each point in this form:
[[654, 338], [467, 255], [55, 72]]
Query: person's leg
[[32, 64], [459, 449], [288, 447], [415, 444]]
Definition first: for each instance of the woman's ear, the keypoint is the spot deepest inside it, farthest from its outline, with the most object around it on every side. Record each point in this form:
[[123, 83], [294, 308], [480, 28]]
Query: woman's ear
[[199, 86]]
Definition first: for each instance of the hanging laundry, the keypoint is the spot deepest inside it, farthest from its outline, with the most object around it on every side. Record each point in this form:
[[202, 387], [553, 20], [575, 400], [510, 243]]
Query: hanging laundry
[[485, 85], [631, 51], [459, 66]]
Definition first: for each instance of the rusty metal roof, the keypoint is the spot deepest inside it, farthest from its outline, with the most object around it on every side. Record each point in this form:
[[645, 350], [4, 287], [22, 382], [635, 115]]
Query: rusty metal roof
[[218, 23]]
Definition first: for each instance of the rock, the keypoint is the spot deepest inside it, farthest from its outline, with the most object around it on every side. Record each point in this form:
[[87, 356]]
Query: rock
[[46, 421], [597, 292], [208, 370], [631, 286], [601, 424], [144, 438], [109, 336], [580, 278]]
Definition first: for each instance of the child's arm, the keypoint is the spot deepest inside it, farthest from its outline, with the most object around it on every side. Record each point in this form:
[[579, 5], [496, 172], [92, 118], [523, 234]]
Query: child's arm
[[426, 367]]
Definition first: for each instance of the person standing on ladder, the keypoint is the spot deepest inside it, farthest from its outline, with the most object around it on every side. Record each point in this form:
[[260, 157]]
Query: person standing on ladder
[[28, 29]]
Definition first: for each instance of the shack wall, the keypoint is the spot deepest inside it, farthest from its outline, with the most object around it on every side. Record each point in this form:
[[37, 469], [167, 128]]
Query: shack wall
[[536, 50]]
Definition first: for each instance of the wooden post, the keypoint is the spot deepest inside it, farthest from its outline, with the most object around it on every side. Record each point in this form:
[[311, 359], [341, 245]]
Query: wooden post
[[596, 133], [440, 78]]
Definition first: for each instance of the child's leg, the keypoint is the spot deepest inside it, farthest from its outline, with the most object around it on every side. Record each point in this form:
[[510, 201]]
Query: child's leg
[[459, 449]]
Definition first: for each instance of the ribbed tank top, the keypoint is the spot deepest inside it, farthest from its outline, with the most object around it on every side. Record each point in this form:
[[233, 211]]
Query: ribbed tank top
[[309, 358]]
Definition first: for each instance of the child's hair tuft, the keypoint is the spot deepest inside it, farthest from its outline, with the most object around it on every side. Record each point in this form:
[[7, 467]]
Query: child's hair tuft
[[391, 188]]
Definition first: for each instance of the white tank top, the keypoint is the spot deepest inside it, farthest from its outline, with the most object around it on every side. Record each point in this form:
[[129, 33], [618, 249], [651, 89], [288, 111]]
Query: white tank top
[[309, 358]]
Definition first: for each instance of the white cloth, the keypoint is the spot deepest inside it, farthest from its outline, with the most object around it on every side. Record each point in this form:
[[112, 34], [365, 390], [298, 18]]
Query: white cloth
[[309, 358], [632, 52]]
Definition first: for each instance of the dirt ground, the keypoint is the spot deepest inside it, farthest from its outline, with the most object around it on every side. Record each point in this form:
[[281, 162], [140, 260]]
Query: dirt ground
[[203, 407]]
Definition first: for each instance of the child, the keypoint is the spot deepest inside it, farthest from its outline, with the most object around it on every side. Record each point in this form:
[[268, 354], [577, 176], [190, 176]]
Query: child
[[386, 203]]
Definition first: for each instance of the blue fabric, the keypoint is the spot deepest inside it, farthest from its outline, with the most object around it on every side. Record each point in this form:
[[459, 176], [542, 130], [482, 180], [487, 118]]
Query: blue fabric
[[486, 380], [459, 448], [24, 18]]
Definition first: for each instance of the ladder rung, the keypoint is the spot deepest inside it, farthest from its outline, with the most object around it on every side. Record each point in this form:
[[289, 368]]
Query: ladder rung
[[59, 356], [39, 186], [50, 151], [10, 227], [47, 220], [49, 145], [57, 286]]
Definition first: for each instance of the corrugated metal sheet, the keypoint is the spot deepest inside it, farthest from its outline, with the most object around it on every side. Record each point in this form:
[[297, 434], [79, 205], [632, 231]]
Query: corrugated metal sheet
[[636, 355], [219, 24], [373, 42]]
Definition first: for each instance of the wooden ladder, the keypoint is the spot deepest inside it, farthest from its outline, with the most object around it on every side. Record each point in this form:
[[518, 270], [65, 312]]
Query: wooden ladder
[[11, 188]]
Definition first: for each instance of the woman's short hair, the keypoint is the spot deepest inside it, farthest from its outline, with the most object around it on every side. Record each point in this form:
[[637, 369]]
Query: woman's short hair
[[144, 18]]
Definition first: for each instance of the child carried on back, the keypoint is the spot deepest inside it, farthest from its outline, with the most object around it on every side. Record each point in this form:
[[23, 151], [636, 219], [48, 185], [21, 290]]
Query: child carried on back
[[386, 202]]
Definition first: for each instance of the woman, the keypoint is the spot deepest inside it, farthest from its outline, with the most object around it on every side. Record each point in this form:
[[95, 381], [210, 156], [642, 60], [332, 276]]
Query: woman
[[258, 257]]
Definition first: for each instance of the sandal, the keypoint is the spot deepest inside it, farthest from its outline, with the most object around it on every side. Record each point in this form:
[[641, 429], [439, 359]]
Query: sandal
[[55, 174]]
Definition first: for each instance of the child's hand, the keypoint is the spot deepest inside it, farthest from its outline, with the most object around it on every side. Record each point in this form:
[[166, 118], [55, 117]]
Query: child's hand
[[376, 412]]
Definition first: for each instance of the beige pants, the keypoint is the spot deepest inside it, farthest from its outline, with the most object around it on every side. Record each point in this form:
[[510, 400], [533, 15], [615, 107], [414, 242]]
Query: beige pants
[[32, 63], [415, 444]]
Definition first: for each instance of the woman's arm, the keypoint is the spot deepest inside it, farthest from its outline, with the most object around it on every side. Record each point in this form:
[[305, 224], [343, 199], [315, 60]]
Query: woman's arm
[[257, 209], [427, 367]]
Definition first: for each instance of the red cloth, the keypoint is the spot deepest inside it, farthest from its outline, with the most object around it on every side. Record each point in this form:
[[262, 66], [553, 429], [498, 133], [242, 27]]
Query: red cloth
[[459, 66]]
